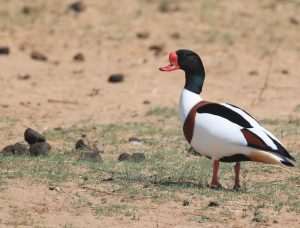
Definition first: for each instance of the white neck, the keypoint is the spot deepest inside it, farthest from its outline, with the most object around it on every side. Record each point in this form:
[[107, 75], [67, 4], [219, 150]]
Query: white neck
[[187, 101]]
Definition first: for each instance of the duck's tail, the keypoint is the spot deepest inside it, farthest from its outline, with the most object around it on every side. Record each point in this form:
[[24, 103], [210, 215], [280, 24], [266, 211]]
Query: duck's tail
[[269, 158]]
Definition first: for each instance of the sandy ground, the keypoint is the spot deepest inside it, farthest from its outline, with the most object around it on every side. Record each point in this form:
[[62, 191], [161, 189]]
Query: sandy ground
[[242, 44]]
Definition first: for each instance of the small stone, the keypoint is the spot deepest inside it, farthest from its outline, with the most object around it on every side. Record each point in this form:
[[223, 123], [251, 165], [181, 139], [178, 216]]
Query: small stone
[[138, 157], [124, 157], [4, 50], [19, 149], [51, 187], [168, 6], [185, 203], [89, 145], [146, 186], [135, 141], [90, 155], [38, 56], [284, 71], [294, 21], [79, 57], [77, 7], [24, 77], [31, 136], [54, 187], [146, 102], [16, 149], [253, 72], [114, 78], [26, 10], [213, 204], [143, 35], [156, 48], [85, 178], [8, 150], [40, 148], [108, 179], [175, 35]]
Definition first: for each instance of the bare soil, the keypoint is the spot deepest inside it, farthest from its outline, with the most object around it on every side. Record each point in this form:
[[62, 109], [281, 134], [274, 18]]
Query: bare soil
[[251, 53]]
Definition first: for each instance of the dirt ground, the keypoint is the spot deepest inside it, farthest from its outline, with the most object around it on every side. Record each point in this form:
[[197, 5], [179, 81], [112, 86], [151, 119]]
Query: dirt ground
[[250, 50]]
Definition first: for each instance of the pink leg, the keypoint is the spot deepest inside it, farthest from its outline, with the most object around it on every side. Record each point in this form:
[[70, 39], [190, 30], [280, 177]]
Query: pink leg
[[237, 175], [214, 181]]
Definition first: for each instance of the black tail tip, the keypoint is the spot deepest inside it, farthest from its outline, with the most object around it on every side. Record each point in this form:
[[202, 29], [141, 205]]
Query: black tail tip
[[287, 163]]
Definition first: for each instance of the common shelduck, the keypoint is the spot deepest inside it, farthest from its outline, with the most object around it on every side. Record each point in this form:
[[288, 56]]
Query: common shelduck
[[221, 131]]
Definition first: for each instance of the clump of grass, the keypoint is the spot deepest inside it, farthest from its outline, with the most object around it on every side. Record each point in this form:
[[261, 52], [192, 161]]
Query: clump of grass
[[166, 112], [115, 209], [258, 216], [205, 218]]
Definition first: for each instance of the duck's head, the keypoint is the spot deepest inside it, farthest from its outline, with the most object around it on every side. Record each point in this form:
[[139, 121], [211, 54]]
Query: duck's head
[[191, 63]]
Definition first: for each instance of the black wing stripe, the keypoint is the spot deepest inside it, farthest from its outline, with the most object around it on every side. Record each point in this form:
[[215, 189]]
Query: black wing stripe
[[244, 112], [281, 150], [227, 113]]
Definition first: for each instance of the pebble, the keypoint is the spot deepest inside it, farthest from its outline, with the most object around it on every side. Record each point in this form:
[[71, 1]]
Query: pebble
[[40, 148], [114, 78], [31, 136]]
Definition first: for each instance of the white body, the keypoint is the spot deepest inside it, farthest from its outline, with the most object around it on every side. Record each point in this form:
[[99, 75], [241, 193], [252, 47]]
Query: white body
[[217, 137]]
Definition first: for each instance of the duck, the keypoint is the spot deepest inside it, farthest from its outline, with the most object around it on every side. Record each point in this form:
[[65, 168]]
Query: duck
[[220, 131]]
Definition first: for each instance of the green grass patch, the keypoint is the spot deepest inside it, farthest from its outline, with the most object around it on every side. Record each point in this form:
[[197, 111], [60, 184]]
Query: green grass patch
[[166, 112]]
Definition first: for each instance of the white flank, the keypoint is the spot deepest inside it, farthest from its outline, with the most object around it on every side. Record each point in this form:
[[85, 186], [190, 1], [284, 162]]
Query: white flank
[[217, 137]]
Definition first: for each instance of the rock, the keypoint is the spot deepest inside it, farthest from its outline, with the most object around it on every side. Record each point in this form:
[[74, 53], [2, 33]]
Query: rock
[[90, 155], [51, 187], [24, 77], [8, 150], [4, 50], [166, 6], [79, 57], [143, 35], [86, 144], [146, 102], [54, 187], [20, 149], [284, 71], [124, 157], [175, 35], [135, 141], [185, 203], [77, 6], [32, 136], [137, 157], [156, 48], [293, 21], [213, 204], [38, 56], [114, 78], [26, 10], [253, 72], [40, 148], [16, 149]]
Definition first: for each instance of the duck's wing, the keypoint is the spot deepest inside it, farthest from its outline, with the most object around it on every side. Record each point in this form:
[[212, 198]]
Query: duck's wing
[[245, 131]]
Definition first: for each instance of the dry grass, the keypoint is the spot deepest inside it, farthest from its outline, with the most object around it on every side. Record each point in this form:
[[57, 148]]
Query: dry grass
[[169, 174]]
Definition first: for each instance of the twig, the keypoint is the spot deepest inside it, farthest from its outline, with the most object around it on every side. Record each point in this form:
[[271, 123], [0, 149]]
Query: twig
[[63, 101], [266, 82]]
